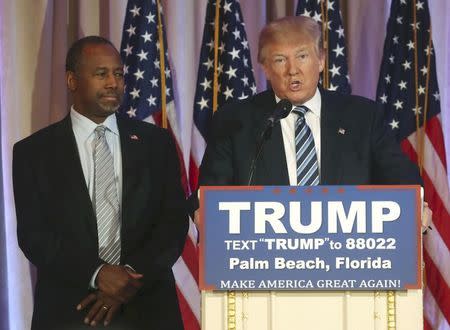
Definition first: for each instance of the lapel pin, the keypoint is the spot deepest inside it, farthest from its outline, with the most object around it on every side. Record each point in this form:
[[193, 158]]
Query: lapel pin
[[134, 137], [341, 131]]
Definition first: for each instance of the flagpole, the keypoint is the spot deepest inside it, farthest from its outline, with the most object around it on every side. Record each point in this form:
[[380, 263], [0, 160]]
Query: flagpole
[[216, 56], [162, 68], [324, 9]]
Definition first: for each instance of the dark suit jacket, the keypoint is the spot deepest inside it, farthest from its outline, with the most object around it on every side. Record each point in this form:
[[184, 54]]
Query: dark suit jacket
[[57, 228], [365, 154]]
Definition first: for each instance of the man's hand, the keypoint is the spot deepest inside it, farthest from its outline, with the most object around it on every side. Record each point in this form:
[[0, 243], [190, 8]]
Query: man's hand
[[118, 282], [103, 308]]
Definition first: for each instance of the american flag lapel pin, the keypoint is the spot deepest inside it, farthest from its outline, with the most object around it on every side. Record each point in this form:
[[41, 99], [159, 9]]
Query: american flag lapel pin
[[134, 137], [341, 131]]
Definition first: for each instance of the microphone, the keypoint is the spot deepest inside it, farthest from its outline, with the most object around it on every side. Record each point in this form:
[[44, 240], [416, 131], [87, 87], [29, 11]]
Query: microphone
[[282, 110]]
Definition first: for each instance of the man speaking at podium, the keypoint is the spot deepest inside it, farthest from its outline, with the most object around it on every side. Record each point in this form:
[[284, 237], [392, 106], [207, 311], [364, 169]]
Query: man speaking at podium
[[327, 138]]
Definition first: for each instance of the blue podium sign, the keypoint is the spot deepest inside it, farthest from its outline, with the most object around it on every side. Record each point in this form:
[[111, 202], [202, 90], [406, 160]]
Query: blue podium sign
[[310, 238]]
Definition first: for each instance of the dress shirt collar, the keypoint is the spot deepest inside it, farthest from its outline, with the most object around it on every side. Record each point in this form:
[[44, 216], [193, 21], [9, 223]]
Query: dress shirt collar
[[85, 127], [312, 104]]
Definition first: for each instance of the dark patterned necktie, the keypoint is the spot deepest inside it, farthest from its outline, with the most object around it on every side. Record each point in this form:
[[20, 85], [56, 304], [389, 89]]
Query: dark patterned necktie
[[307, 163]]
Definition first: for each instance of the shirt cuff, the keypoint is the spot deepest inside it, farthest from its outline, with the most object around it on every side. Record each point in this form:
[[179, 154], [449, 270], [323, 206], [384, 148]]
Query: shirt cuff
[[92, 284]]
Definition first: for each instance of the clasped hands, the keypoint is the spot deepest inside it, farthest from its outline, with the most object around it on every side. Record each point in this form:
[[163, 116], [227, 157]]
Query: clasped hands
[[117, 285]]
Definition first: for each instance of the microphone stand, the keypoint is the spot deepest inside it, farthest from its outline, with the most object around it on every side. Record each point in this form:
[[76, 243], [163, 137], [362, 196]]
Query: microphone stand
[[262, 139]]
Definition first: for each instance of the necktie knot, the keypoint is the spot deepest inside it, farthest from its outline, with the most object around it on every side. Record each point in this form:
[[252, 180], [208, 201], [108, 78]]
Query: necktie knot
[[300, 110], [100, 131]]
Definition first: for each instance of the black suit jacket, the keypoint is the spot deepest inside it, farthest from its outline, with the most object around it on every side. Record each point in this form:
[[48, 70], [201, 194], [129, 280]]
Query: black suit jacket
[[57, 229], [365, 154]]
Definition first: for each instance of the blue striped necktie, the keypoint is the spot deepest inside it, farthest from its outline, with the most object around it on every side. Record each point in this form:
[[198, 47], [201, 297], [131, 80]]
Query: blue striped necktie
[[307, 163]]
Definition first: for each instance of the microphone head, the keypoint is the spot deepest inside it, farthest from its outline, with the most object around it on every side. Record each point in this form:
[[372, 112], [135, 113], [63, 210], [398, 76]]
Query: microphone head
[[282, 109]]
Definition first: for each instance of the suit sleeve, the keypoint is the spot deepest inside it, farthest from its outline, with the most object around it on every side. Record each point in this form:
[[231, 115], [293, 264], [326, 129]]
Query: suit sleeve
[[42, 242], [390, 164], [165, 243]]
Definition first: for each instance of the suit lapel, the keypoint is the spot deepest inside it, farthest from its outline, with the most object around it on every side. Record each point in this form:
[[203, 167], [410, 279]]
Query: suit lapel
[[331, 141], [272, 167], [67, 159], [130, 149]]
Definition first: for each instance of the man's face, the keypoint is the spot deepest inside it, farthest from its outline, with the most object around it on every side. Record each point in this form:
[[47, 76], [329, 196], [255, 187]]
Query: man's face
[[293, 67], [97, 84]]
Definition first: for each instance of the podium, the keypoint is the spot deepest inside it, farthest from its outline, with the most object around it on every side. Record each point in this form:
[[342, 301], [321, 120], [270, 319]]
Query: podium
[[232, 296]]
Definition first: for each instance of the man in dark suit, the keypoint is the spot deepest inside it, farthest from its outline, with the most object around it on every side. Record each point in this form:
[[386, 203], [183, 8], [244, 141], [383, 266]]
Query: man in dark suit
[[100, 208], [345, 139]]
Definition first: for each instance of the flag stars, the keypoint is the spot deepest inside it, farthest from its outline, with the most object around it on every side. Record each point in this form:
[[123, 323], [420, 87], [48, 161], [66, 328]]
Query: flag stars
[[436, 96], [147, 37], [419, 5], [237, 34], [332, 87], [339, 50], [403, 2], [131, 112], [399, 20], [221, 47], [417, 110], [150, 18], [203, 103], [167, 91], [142, 55], [125, 69], [421, 90], [391, 59], [209, 64], [402, 85], [227, 7], [335, 70], [228, 93], [406, 65], [210, 45], [151, 100], [139, 74], [245, 61], [224, 28], [135, 93], [383, 98], [395, 39], [340, 32], [244, 43], [330, 5], [154, 82], [415, 26], [394, 124], [243, 96], [234, 53], [167, 72], [424, 70], [245, 80], [131, 30], [157, 45], [388, 79], [206, 84], [398, 105], [231, 72], [238, 18], [306, 13], [135, 11], [128, 50], [428, 50], [156, 63], [317, 17], [253, 88], [410, 45]]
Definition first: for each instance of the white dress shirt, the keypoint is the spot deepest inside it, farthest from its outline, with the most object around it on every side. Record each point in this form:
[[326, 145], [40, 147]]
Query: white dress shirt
[[312, 118]]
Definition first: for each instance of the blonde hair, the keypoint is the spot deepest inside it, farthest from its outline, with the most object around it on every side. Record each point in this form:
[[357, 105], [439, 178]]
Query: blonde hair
[[278, 29]]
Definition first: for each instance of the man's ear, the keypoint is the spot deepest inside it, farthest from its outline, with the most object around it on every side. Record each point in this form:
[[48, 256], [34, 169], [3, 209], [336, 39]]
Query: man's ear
[[71, 79]]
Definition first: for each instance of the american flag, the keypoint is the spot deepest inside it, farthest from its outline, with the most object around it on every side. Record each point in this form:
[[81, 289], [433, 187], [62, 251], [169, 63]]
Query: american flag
[[143, 41], [408, 91], [233, 67], [335, 75]]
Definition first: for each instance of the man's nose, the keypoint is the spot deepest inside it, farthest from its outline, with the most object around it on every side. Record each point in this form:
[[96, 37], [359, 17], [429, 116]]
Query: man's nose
[[292, 67], [111, 81]]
